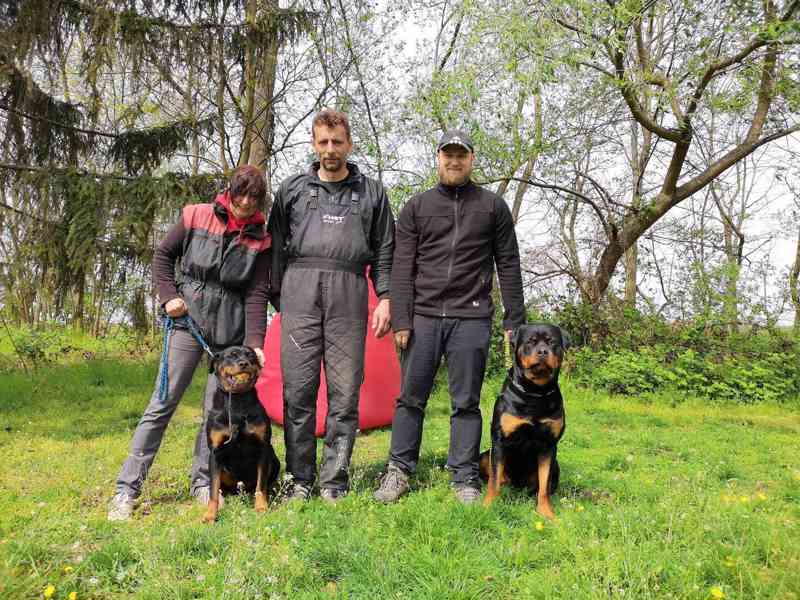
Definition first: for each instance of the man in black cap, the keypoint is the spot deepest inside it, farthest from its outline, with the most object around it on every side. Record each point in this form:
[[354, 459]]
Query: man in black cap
[[447, 244]]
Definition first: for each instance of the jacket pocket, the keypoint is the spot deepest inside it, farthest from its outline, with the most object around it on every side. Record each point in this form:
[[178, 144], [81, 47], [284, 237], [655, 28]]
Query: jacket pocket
[[236, 269], [201, 255]]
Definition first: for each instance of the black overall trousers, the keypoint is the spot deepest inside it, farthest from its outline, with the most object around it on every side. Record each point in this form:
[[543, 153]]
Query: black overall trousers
[[324, 319]]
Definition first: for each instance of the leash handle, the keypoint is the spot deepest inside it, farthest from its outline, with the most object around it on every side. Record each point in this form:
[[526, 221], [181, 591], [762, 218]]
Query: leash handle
[[169, 326], [163, 378], [507, 350]]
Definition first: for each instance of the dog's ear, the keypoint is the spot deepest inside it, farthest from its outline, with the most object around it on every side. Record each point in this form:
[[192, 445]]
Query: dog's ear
[[566, 341], [515, 333]]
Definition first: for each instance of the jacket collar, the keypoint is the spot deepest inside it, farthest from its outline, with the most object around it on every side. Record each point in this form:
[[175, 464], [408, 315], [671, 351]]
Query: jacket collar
[[254, 226], [451, 190], [353, 175]]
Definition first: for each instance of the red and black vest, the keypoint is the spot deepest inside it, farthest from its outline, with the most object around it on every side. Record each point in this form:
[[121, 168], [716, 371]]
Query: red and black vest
[[216, 269]]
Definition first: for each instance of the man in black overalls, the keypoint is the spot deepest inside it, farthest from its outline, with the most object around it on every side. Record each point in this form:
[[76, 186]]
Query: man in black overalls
[[327, 225]]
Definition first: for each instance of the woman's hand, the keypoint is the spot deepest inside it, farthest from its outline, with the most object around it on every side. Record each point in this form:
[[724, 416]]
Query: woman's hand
[[176, 308]]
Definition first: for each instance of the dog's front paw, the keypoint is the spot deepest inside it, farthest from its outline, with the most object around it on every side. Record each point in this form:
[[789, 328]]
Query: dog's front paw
[[210, 516], [261, 503], [546, 510]]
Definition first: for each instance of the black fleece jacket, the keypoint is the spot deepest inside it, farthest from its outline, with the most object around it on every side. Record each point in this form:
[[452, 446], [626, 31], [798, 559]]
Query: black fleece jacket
[[448, 242]]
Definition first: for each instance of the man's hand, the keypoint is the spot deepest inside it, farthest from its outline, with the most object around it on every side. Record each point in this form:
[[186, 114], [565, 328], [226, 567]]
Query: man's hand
[[401, 339], [260, 355], [176, 308], [381, 318]]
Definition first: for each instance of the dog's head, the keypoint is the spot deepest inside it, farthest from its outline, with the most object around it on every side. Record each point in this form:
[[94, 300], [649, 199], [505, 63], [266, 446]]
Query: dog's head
[[236, 368], [538, 351]]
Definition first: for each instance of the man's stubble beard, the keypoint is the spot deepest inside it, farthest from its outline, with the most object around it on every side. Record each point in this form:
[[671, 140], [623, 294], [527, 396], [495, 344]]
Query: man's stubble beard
[[452, 180], [332, 165]]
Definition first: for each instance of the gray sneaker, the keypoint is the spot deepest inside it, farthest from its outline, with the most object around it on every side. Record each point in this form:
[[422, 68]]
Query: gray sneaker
[[120, 507], [393, 485], [467, 494], [203, 495], [298, 491], [331, 495]]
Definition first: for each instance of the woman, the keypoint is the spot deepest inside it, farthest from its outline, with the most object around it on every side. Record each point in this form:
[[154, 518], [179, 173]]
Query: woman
[[222, 282]]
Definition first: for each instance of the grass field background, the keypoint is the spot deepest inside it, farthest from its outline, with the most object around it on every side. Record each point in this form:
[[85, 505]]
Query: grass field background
[[661, 498]]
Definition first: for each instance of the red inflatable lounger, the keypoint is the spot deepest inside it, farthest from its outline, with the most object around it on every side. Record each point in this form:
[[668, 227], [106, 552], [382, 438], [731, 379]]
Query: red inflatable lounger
[[379, 391]]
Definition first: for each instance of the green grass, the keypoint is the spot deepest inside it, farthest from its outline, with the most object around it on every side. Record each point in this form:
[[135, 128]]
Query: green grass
[[656, 501]]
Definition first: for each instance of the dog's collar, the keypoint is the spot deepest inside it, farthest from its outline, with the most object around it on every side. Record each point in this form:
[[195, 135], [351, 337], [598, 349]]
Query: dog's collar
[[522, 392]]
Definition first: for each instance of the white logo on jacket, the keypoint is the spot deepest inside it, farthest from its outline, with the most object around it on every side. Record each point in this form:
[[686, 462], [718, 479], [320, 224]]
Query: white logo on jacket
[[332, 220]]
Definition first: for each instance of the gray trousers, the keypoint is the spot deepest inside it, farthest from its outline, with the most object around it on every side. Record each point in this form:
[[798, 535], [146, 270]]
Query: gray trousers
[[184, 355], [323, 318], [465, 345]]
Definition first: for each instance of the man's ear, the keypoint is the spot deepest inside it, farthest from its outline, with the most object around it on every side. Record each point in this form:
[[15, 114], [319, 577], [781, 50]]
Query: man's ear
[[566, 341]]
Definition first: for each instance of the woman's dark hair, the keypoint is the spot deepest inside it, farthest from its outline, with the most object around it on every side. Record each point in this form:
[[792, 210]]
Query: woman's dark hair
[[248, 180]]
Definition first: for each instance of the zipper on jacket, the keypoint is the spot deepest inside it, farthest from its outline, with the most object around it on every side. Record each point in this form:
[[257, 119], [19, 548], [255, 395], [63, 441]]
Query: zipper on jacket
[[452, 246]]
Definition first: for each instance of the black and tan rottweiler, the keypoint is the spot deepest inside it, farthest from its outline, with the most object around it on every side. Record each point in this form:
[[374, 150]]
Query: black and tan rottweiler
[[528, 418], [239, 433]]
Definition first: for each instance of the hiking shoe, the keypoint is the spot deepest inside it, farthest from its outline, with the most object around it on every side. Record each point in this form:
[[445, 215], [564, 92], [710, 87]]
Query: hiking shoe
[[203, 495], [467, 494], [393, 485], [120, 507], [332, 495], [298, 491]]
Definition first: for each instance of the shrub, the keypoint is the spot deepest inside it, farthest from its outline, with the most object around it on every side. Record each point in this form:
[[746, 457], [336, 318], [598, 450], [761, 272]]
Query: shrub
[[56, 343], [769, 377], [620, 372]]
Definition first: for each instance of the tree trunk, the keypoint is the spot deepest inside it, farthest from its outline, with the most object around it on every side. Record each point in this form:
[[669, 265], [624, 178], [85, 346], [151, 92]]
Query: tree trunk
[[794, 274], [529, 166], [260, 72]]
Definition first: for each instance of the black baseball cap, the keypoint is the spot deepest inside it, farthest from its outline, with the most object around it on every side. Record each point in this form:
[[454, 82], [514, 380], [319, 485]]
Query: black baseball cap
[[455, 137]]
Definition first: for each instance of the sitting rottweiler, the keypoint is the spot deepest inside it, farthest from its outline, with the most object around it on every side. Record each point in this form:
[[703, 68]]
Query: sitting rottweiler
[[528, 418], [239, 432]]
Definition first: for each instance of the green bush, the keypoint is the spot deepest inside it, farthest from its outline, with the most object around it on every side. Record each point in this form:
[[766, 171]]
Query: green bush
[[55, 343], [745, 379], [620, 372]]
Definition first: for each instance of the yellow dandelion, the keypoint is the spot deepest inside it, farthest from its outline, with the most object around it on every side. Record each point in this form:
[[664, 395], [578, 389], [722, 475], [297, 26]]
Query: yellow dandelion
[[72, 596], [579, 508], [744, 499], [539, 526], [49, 591], [68, 569], [761, 496], [716, 593]]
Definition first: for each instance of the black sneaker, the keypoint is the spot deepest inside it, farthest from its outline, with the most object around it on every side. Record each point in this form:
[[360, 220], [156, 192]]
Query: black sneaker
[[298, 491], [393, 485], [332, 495]]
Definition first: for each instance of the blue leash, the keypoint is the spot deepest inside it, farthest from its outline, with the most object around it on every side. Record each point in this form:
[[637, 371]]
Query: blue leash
[[169, 325]]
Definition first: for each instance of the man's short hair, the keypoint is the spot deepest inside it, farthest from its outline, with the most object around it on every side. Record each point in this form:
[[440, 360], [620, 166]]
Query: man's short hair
[[248, 180], [330, 117]]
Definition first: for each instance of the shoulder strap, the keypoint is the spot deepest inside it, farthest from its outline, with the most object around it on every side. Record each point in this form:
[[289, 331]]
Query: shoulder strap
[[313, 197], [355, 196]]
